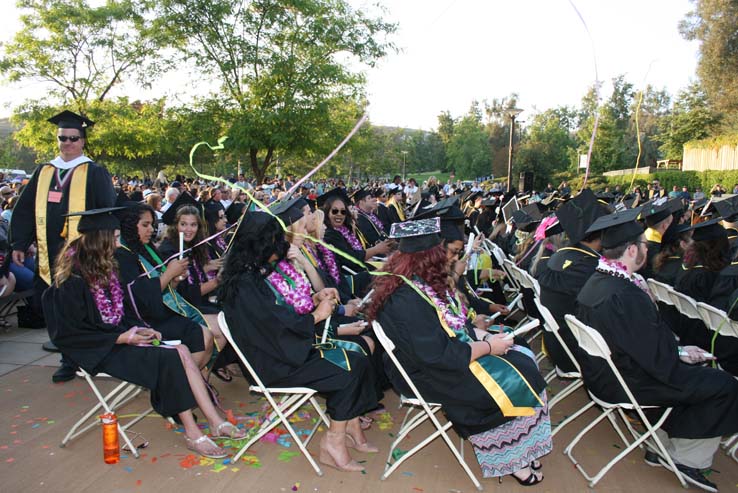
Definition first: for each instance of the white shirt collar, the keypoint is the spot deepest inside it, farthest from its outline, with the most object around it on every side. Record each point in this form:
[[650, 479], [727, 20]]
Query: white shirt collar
[[58, 162]]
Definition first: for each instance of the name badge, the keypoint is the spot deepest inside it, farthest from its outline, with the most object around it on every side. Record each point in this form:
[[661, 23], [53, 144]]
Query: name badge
[[55, 196]]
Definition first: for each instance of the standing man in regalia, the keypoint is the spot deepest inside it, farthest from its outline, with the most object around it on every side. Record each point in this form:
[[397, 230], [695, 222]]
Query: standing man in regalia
[[69, 183]]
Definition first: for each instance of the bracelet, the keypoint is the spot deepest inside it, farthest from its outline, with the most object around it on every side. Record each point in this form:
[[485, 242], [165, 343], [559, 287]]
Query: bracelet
[[490, 346]]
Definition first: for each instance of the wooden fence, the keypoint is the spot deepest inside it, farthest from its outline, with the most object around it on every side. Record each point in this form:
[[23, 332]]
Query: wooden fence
[[718, 158]]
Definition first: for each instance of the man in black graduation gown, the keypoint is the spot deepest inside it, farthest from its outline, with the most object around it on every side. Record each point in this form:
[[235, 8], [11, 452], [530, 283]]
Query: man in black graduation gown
[[658, 219], [568, 269], [367, 222], [658, 372], [69, 183]]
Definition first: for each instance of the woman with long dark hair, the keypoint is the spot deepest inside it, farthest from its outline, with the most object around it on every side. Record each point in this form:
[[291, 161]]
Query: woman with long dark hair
[[153, 290], [90, 323], [704, 258], [273, 315], [490, 389]]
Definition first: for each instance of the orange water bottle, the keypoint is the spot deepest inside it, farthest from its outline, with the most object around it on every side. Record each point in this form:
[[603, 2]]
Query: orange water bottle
[[111, 448]]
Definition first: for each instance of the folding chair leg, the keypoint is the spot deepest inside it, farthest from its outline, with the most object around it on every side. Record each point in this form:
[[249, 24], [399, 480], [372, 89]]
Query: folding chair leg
[[564, 393], [571, 418]]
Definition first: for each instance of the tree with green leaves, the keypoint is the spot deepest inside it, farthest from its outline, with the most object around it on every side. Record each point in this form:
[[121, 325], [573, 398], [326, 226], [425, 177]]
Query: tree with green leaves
[[282, 65], [713, 23], [468, 151], [81, 52], [691, 118], [549, 144]]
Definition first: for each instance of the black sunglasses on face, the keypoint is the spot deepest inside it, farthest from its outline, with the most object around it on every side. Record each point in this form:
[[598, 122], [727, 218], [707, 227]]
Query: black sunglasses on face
[[64, 138], [340, 212]]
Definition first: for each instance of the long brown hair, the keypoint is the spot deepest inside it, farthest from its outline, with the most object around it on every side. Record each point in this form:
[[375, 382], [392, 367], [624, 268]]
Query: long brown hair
[[91, 255], [200, 253]]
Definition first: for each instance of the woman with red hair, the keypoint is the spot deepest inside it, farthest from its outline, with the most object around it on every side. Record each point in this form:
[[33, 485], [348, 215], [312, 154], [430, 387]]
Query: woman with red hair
[[490, 388]]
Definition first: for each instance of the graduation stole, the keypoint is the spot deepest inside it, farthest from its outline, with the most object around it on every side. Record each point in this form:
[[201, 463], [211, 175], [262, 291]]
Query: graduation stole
[[509, 389], [77, 202], [333, 350], [171, 298], [398, 208]]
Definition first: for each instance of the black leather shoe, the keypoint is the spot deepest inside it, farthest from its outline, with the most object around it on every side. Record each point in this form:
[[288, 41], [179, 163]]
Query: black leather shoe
[[693, 476], [65, 373], [652, 459]]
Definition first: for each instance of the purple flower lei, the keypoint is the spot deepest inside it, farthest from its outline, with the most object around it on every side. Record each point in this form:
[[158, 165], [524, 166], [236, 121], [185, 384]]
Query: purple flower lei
[[373, 218], [618, 269], [353, 241], [293, 286], [111, 309], [454, 321], [329, 260]]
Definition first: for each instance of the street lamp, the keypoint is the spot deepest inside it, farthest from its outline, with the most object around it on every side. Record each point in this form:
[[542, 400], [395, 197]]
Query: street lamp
[[512, 113], [404, 155]]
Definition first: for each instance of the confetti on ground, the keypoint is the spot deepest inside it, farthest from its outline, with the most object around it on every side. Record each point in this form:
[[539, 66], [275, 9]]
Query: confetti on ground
[[252, 461], [418, 489], [384, 421], [397, 453], [218, 467], [407, 473], [9, 460], [296, 486], [138, 482], [286, 456], [128, 469]]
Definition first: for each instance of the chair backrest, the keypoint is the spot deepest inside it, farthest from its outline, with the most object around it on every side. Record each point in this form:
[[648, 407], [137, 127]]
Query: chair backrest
[[510, 269], [389, 348], [229, 337], [595, 345], [686, 305], [660, 290], [717, 320], [550, 325]]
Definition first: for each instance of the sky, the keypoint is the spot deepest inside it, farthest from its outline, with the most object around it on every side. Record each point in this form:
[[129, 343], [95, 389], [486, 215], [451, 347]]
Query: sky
[[453, 52]]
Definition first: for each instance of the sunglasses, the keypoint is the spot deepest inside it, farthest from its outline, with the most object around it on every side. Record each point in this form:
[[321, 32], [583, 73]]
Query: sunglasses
[[64, 138], [340, 212]]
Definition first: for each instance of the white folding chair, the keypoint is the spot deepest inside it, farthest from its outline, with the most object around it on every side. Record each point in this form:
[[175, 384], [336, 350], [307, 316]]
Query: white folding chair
[[660, 290], [595, 345], [121, 395], [686, 305], [425, 411], [574, 377], [292, 399], [717, 320]]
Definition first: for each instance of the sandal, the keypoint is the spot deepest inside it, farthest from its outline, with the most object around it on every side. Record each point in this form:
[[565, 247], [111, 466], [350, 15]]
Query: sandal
[[365, 447], [531, 480], [205, 447], [227, 430], [536, 465], [223, 374]]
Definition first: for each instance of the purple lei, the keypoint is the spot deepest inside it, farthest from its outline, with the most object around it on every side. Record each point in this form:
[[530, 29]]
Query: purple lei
[[329, 260], [293, 286], [374, 219], [350, 237], [221, 243], [111, 309], [455, 321]]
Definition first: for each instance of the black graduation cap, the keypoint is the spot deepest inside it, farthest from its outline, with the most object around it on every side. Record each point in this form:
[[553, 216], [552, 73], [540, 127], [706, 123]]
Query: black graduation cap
[[290, 210], [183, 199], [674, 231], [417, 236], [234, 212], [606, 197], [655, 211], [523, 221], [360, 194], [709, 230], [554, 229], [617, 228], [378, 192], [336, 192], [578, 214], [68, 119], [727, 207], [489, 202], [97, 219]]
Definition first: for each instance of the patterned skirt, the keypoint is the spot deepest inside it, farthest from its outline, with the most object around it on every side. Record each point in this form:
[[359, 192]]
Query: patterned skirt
[[514, 444]]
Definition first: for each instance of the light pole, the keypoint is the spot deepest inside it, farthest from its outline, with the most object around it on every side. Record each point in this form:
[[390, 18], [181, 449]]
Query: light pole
[[404, 155], [512, 113]]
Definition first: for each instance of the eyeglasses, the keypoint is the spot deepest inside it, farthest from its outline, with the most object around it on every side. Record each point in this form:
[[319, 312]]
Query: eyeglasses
[[71, 138], [339, 212]]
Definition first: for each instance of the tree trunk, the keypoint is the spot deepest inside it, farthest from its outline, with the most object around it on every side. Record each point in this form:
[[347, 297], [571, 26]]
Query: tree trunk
[[260, 169]]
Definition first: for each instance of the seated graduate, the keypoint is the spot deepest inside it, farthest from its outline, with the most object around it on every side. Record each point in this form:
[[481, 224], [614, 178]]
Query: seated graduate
[[367, 223], [215, 219], [705, 400], [340, 231], [89, 322], [658, 218], [154, 295], [273, 322], [704, 258], [666, 265], [201, 281], [568, 269], [490, 389]]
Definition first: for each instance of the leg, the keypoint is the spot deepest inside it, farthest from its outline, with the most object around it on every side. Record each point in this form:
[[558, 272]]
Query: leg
[[333, 451], [202, 358], [212, 321]]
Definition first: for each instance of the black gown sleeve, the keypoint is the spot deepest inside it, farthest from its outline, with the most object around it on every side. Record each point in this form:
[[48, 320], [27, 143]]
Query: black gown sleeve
[[146, 291], [75, 325], [23, 222], [335, 239]]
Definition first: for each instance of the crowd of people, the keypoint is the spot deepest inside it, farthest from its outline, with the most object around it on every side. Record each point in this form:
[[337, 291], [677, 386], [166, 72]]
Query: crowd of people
[[123, 264]]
